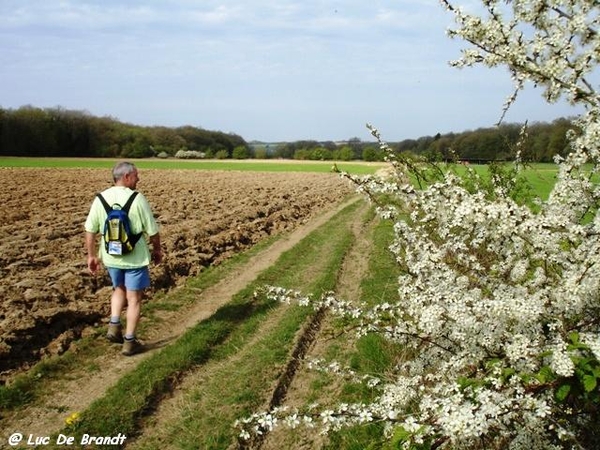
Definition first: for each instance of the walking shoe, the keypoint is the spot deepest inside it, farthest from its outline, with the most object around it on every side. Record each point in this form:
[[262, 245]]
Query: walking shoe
[[131, 347], [115, 333]]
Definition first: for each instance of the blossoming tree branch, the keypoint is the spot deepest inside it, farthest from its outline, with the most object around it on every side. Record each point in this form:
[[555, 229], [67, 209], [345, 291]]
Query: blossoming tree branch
[[498, 302]]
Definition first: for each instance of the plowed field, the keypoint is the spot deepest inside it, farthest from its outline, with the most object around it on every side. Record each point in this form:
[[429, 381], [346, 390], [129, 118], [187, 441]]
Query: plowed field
[[47, 296]]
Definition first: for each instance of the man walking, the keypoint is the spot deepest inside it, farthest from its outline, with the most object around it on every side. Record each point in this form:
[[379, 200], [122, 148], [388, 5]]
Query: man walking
[[129, 272]]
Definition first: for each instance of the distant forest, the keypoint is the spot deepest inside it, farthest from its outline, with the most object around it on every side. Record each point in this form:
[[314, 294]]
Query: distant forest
[[57, 132]]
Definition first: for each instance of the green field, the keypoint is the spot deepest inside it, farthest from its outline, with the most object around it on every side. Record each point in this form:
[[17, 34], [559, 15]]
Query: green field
[[354, 167], [540, 176]]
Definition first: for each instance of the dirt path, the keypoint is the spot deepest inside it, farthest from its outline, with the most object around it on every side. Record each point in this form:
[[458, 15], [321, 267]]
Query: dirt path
[[348, 287], [77, 394]]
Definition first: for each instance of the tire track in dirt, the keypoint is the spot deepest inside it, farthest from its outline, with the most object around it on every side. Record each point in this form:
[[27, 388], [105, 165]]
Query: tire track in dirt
[[313, 344], [77, 394]]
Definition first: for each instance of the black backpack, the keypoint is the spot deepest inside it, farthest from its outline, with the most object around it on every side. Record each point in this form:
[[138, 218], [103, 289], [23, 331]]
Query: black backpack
[[118, 238]]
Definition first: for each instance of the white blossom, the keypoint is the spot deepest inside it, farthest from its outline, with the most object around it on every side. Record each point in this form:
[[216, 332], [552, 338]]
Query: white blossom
[[491, 292]]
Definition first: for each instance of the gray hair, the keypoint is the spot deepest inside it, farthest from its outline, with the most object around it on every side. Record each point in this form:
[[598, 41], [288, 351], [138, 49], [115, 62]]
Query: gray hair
[[121, 169]]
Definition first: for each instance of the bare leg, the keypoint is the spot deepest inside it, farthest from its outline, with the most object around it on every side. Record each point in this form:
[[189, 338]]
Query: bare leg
[[117, 301], [134, 308]]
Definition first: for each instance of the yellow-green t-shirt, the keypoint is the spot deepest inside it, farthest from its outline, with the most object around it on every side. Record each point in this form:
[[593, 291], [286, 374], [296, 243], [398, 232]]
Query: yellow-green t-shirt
[[141, 220]]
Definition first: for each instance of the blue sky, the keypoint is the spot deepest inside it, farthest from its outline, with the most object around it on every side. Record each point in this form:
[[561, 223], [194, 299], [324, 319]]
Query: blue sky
[[266, 70]]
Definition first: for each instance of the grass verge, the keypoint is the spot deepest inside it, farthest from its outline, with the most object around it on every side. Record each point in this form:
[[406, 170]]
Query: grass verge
[[354, 167]]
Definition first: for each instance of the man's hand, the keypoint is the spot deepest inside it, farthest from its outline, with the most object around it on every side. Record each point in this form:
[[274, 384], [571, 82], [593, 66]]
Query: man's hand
[[93, 264], [157, 255]]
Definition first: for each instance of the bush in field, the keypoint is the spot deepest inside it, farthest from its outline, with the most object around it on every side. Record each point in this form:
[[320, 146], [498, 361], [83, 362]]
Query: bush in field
[[240, 152], [499, 306], [221, 154], [189, 154], [345, 153], [373, 154]]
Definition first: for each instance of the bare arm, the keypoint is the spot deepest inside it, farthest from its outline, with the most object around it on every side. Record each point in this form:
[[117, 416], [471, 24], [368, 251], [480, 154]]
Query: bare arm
[[156, 248], [93, 262]]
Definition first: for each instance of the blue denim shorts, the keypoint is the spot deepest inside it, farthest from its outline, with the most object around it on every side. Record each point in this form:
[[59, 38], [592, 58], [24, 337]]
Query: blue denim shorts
[[132, 279]]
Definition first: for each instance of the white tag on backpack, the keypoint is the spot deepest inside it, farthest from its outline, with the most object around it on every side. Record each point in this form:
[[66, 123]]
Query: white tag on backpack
[[115, 248]]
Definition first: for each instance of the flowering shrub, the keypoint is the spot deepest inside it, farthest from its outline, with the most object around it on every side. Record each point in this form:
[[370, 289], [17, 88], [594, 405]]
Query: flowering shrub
[[499, 304]]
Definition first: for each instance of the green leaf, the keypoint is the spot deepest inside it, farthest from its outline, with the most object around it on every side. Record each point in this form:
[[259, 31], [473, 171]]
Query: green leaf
[[545, 374], [577, 346], [508, 372], [491, 363], [589, 383], [574, 337], [562, 392]]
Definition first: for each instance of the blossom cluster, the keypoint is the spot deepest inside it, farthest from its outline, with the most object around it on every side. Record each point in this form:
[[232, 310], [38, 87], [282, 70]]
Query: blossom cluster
[[498, 304], [551, 43]]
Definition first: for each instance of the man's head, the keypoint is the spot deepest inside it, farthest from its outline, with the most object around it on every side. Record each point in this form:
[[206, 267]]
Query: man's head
[[125, 174]]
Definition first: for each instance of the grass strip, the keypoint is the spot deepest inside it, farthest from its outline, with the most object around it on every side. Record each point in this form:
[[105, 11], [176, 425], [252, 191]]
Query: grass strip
[[357, 168], [138, 392], [372, 354], [32, 385]]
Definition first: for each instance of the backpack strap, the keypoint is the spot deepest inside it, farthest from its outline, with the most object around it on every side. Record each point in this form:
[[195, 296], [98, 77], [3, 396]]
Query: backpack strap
[[130, 201], [107, 207], [125, 208], [134, 238]]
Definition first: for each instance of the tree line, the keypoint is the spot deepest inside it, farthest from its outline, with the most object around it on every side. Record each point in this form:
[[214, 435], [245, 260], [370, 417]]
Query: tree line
[[58, 132], [543, 141]]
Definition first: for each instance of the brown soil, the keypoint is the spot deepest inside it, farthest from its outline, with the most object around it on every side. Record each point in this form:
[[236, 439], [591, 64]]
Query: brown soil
[[49, 299]]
